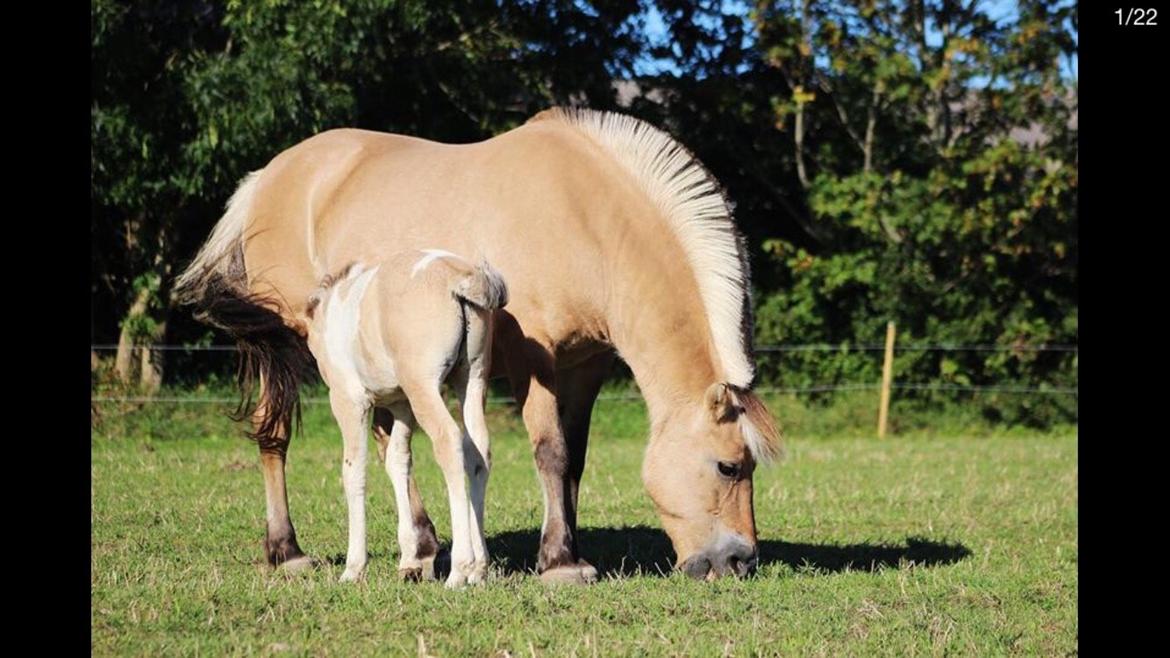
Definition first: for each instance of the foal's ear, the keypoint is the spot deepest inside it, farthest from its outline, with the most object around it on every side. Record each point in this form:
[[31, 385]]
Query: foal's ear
[[720, 402]]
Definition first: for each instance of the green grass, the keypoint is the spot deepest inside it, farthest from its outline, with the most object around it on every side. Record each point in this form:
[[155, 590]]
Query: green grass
[[923, 544]]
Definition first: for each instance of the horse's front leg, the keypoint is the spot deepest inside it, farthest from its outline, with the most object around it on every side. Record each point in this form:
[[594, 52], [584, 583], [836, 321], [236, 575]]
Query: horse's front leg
[[577, 390], [417, 543], [353, 418], [533, 377]]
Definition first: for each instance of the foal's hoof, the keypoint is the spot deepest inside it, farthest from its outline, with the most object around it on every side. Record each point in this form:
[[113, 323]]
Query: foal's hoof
[[423, 570], [477, 576], [471, 573], [299, 564], [581, 573]]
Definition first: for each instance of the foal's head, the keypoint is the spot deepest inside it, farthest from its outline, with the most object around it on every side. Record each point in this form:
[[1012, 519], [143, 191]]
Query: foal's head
[[698, 470]]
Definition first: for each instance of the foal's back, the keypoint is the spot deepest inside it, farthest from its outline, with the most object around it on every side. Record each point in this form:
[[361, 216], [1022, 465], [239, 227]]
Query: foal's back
[[404, 317]]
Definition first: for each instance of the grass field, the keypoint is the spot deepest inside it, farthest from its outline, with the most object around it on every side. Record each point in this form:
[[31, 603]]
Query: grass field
[[933, 542]]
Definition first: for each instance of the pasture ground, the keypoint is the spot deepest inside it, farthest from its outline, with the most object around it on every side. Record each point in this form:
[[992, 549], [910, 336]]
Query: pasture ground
[[931, 542]]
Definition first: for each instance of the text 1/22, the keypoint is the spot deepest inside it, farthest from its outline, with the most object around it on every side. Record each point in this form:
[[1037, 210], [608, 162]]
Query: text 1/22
[[1136, 17]]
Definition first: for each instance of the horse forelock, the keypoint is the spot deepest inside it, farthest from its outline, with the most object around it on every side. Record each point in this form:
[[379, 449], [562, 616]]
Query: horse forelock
[[699, 213], [759, 430]]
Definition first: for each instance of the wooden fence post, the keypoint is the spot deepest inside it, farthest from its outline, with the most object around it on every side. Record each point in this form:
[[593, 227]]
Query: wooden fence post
[[887, 377]]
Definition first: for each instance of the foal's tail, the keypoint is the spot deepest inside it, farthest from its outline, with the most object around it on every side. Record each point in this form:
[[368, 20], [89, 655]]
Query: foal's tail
[[216, 285], [481, 286]]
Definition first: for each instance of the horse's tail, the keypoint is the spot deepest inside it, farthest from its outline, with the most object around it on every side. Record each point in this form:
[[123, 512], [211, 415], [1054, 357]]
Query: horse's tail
[[221, 259], [481, 286], [271, 353]]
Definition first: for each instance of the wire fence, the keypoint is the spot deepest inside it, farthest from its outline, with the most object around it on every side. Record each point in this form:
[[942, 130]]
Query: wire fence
[[761, 349]]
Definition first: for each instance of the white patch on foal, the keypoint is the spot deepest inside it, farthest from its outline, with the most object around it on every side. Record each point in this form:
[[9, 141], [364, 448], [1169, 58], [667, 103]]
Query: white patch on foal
[[431, 256], [342, 318]]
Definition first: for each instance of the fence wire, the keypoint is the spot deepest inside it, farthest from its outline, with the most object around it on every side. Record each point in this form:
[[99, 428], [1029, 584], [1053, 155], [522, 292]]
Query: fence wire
[[763, 349], [634, 397]]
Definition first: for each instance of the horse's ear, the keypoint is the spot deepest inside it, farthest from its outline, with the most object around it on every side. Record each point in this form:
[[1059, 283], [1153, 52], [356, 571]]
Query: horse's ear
[[720, 402]]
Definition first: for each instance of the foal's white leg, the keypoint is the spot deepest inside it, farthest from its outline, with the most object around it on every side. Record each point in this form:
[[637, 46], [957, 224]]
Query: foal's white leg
[[353, 417], [398, 462], [472, 388], [447, 441]]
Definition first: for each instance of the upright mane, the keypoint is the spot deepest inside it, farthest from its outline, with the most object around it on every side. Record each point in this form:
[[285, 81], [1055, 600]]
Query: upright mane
[[694, 206]]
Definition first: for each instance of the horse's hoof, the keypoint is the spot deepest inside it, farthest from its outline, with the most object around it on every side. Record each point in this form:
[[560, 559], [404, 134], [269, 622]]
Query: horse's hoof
[[456, 581], [477, 576], [581, 573], [352, 575], [298, 564], [423, 569]]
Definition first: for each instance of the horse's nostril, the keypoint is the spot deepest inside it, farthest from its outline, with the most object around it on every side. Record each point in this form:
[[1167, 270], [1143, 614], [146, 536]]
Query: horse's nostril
[[749, 566], [697, 567]]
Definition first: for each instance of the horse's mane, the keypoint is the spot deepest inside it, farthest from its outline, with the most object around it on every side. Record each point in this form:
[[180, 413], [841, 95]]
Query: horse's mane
[[696, 209]]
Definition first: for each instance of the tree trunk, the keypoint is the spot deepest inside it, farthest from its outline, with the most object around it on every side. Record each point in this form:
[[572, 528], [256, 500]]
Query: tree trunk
[[152, 361], [124, 359], [870, 125], [801, 173], [806, 43]]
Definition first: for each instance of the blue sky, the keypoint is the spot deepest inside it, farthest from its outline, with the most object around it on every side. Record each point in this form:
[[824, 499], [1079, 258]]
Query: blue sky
[[656, 30]]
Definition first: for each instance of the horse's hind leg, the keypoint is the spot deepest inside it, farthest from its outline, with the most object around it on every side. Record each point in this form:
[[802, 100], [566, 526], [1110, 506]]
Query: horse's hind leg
[[447, 442], [280, 538], [416, 534], [353, 419], [471, 383]]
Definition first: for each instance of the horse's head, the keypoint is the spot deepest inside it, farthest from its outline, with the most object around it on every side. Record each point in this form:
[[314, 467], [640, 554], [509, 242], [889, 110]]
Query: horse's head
[[698, 470]]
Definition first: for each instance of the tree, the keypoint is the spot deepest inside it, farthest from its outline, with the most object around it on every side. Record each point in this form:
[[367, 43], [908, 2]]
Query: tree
[[139, 123], [934, 211]]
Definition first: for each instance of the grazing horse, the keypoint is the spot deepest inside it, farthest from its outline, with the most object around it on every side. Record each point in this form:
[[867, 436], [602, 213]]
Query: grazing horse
[[612, 238], [387, 335]]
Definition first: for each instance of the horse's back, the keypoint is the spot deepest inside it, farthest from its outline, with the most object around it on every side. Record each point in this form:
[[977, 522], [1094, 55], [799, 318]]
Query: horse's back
[[279, 248], [524, 200]]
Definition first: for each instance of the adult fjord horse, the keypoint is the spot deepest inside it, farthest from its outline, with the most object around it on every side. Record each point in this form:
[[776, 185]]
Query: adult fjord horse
[[611, 235]]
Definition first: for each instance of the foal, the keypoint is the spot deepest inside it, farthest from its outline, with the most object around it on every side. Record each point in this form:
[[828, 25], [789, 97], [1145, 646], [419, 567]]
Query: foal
[[387, 334]]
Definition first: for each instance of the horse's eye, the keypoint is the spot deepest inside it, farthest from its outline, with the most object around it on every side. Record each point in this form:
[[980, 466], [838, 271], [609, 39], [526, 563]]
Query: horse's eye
[[729, 469]]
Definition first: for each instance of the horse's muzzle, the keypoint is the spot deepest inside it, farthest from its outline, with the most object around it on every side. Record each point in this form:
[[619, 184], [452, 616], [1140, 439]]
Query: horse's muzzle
[[736, 558]]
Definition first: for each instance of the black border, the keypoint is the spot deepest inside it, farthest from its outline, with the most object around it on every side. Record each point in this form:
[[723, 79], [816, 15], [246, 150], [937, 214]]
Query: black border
[[1122, 217]]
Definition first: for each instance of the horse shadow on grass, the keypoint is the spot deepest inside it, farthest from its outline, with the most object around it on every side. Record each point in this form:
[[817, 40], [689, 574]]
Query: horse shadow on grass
[[644, 550]]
